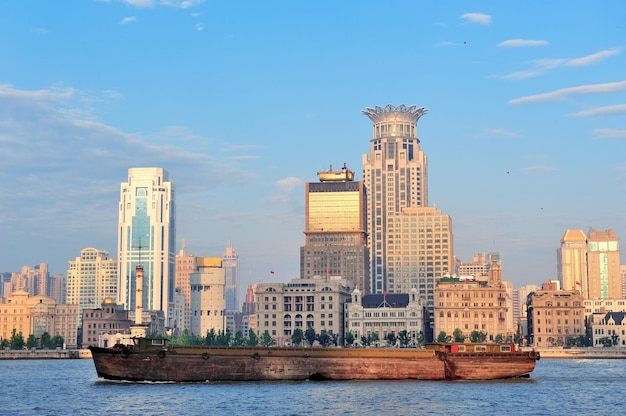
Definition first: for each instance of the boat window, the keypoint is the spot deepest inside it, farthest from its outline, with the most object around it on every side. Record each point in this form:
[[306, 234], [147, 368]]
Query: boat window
[[480, 348], [505, 348]]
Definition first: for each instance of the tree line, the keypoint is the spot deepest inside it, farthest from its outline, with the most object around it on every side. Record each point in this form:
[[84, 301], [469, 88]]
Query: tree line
[[17, 342]]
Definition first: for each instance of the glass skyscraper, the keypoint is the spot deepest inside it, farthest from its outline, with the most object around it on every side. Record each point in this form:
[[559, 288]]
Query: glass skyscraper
[[147, 236]]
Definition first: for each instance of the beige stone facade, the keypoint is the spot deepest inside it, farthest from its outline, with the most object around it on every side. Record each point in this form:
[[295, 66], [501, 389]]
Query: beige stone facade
[[108, 319], [36, 315], [471, 305], [554, 316], [208, 300], [385, 314], [316, 303]]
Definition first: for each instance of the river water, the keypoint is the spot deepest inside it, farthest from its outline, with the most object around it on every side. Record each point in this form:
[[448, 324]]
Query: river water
[[71, 387]]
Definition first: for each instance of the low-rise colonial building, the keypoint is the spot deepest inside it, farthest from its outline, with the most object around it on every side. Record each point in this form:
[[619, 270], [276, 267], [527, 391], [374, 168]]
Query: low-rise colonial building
[[471, 305], [608, 329], [554, 316], [110, 318], [35, 315], [303, 303], [384, 314]]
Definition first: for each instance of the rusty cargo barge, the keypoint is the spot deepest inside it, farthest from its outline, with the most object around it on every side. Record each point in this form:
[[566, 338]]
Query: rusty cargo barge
[[152, 360]]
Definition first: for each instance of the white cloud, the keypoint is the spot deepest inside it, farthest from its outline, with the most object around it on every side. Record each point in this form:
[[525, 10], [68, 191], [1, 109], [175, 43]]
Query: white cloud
[[530, 73], [592, 58], [566, 92], [609, 134], [601, 111], [538, 169], [517, 43], [478, 18], [128, 20], [199, 27], [80, 160], [177, 4], [289, 184], [140, 3], [541, 66]]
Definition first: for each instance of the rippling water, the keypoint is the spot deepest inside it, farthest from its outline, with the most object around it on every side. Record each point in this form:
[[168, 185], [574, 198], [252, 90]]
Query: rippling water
[[556, 387]]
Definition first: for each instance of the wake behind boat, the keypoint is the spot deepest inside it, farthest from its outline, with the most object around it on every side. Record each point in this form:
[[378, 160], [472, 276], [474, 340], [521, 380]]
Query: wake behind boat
[[151, 359]]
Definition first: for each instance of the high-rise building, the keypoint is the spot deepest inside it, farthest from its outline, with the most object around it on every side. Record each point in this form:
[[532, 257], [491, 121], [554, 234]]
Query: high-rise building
[[34, 281], [91, 278], [147, 236], [208, 303], [185, 265], [395, 177], [603, 266], [571, 258], [420, 250], [230, 263], [335, 233]]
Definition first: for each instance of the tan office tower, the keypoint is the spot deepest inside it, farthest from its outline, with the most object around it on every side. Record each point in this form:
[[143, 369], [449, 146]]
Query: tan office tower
[[395, 176], [571, 259], [91, 278], [147, 237], [335, 237], [603, 265]]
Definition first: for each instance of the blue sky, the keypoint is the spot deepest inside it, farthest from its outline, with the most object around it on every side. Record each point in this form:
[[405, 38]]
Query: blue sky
[[244, 101]]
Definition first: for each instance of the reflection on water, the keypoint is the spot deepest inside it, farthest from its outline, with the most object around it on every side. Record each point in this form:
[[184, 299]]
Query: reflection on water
[[556, 387]]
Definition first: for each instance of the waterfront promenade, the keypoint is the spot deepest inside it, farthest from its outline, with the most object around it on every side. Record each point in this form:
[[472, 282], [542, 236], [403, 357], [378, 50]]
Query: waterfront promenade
[[35, 354]]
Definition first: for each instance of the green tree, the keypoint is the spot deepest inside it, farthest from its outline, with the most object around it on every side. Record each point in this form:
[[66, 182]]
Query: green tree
[[17, 341], [349, 339], [223, 337], [297, 336], [404, 338], [420, 339], [374, 338], [443, 337], [211, 337], [266, 339], [324, 338], [46, 340], [57, 341], [499, 338], [252, 340], [31, 341], [391, 339], [478, 336], [365, 341], [310, 335], [458, 335], [4, 343], [238, 339]]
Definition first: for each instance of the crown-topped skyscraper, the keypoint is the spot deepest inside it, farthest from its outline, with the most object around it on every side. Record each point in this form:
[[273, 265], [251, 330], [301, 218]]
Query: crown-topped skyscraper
[[396, 177]]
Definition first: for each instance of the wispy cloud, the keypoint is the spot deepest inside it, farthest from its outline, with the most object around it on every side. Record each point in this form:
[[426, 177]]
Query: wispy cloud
[[178, 4], [85, 159], [541, 66], [537, 169], [128, 20], [520, 43], [567, 92], [478, 18], [500, 132], [601, 111], [609, 134], [289, 184], [199, 27]]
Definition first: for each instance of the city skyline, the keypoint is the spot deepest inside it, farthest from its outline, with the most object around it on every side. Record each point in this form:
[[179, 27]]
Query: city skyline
[[523, 135]]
